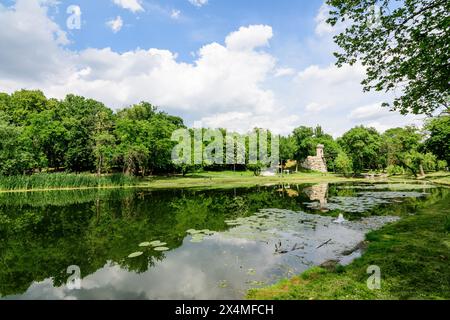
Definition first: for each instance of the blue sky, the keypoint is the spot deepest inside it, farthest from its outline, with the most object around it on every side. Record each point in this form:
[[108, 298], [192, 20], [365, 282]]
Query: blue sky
[[217, 63], [292, 22]]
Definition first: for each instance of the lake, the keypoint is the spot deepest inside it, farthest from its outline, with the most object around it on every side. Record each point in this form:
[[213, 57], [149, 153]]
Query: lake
[[187, 244]]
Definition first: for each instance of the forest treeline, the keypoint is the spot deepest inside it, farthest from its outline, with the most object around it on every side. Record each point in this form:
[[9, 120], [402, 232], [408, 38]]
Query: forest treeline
[[77, 134]]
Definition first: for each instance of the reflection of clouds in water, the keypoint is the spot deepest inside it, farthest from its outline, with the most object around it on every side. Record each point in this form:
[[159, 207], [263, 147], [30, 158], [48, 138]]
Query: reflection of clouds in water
[[194, 271], [184, 274]]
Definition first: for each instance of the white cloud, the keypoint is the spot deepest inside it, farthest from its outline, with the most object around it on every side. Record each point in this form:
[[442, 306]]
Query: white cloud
[[284, 72], [31, 45], [237, 85], [222, 79], [322, 27], [132, 5], [249, 38], [115, 24], [370, 112], [175, 14], [198, 3]]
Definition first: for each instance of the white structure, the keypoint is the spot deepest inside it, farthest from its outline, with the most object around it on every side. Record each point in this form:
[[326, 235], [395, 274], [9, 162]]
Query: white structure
[[316, 163]]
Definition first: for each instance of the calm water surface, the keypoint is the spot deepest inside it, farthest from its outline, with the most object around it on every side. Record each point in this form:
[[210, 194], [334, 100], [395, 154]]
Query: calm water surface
[[218, 243]]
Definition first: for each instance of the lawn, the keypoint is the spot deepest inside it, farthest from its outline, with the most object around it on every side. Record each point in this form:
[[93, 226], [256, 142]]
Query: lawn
[[224, 179], [201, 180], [413, 255]]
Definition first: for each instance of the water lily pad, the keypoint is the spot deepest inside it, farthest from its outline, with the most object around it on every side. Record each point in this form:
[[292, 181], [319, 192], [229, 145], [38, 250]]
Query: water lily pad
[[157, 243], [135, 254], [145, 244], [251, 272], [197, 238], [161, 249]]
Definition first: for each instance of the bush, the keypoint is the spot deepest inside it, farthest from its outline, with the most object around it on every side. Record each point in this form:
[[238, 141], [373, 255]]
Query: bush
[[429, 162], [343, 164], [442, 165], [255, 168], [394, 170]]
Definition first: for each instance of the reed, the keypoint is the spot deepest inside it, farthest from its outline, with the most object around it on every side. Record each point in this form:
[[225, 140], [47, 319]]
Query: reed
[[64, 180]]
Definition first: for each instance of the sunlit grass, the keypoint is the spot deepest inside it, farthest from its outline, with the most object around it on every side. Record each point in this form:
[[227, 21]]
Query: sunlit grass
[[64, 180], [413, 255]]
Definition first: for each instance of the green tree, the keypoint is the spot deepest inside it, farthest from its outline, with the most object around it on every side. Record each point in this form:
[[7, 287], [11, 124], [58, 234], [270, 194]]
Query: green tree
[[404, 46], [14, 158], [104, 141], [343, 164], [363, 145], [398, 141], [303, 139], [80, 116], [438, 136], [288, 148]]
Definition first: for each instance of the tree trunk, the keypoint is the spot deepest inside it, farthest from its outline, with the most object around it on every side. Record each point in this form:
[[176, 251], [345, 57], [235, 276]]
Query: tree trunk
[[100, 164], [422, 173]]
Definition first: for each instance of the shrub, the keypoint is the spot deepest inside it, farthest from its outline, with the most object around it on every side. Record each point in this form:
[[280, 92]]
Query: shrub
[[394, 170], [442, 165], [343, 164]]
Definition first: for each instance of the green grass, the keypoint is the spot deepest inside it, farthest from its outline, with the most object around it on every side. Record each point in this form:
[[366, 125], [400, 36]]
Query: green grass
[[413, 254], [230, 179], [64, 180], [202, 180], [440, 177]]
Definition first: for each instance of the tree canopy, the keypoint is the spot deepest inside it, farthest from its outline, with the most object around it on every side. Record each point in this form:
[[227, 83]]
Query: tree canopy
[[77, 134], [404, 46]]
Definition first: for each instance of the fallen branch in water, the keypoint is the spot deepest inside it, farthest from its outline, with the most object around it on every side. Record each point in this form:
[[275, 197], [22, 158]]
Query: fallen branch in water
[[279, 250], [324, 244]]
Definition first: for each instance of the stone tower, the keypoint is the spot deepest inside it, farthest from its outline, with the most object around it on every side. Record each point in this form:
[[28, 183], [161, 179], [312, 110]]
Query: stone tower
[[316, 163]]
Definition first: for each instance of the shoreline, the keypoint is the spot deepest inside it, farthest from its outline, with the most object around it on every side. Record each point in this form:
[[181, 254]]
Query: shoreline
[[408, 244], [209, 182], [227, 179]]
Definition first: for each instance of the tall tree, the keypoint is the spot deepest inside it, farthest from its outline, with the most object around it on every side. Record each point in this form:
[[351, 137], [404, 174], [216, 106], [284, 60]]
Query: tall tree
[[363, 146], [438, 140], [404, 46]]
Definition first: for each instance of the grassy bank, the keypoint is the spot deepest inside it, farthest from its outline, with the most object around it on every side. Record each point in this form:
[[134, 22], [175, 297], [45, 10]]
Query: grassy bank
[[439, 177], [413, 254], [210, 180], [228, 179], [46, 181], [231, 179]]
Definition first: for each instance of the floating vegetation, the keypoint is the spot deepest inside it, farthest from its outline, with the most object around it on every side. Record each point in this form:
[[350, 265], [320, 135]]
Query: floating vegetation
[[157, 243], [364, 201], [394, 186], [193, 231], [145, 244], [256, 283], [199, 235], [161, 249], [223, 284], [135, 254], [251, 272], [197, 238]]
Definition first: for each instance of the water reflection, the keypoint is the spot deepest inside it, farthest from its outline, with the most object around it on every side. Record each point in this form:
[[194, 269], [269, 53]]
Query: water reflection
[[319, 193], [43, 233]]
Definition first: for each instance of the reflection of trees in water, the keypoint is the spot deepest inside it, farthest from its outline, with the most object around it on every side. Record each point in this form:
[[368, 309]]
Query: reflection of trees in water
[[318, 192], [41, 234]]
